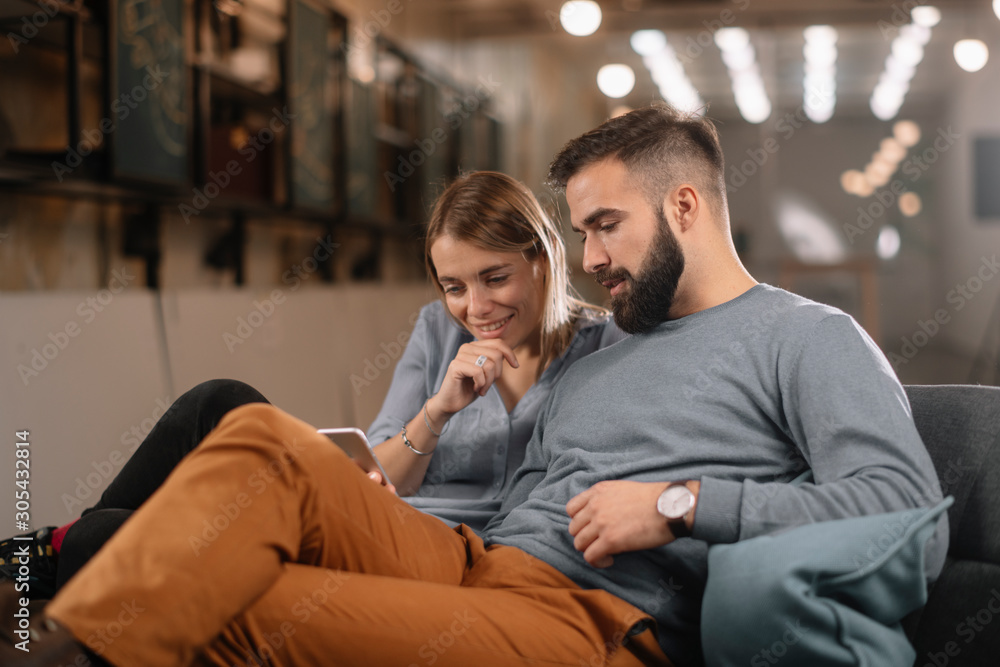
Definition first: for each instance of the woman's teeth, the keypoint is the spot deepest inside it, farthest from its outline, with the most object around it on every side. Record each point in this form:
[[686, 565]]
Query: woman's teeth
[[494, 327]]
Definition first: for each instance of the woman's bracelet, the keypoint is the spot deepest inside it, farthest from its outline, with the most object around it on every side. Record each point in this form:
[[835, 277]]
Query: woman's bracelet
[[406, 441], [427, 422]]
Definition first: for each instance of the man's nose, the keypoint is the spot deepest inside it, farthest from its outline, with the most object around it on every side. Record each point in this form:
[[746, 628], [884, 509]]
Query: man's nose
[[595, 256]]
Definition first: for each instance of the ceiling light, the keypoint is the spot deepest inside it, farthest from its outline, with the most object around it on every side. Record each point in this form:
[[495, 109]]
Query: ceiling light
[[866, 189], [741, 60], [877, 175], [892, 150], [907, 52], [648, 42], [731, 39], [888, 242], [910, 204], [755, 109], [821, 34], [616, 80], [882, 164], [928, 16], [971, 54], [852, 181], [674, 85], [906, 132], [819, 87], [920, 34], [819, 115], [996, 8], [894, 69], [580, 17], [820, 53]]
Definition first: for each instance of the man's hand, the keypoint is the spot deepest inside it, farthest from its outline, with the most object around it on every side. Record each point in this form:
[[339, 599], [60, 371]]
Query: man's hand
[[617, 516]]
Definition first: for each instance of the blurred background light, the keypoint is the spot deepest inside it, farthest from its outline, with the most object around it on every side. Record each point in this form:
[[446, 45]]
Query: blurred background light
[[906, 133], [741, 60], [852, 181], [731, 39], [580, 17], [888, 242], [648, 42], [971, 54], [906, 52], [667, 71], [819, 87], [927, 16], [810, 234], [910, 204], [616, 80]]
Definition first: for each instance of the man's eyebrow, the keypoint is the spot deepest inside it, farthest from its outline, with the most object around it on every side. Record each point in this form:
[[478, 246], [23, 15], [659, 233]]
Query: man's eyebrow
[[489, 269], [595, 217]]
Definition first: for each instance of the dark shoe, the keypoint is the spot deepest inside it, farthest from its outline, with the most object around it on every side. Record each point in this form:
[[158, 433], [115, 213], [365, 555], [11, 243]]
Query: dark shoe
[[41, 559], [29, 639]]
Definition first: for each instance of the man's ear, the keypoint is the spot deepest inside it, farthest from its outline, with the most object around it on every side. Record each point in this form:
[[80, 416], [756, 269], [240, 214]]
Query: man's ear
[[687, 205], [684, 203]]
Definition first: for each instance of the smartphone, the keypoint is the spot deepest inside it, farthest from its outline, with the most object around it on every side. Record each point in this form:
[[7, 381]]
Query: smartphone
[[355, 444]]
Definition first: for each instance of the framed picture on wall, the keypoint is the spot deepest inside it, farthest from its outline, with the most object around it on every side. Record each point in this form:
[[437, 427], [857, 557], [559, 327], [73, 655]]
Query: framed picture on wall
[[986, 169], [314, 69], [149, 102]]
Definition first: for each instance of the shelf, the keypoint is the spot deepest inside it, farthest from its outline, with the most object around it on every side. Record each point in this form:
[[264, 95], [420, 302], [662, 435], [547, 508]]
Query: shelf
[[15, 9], [224, 83], [325, 166], [31, 184]]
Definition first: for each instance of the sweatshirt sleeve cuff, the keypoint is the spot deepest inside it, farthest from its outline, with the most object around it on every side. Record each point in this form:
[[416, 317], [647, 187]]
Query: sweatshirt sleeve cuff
[[717, 515]]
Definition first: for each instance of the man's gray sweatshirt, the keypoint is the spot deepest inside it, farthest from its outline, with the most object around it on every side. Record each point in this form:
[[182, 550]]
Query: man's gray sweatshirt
[[745, 396]]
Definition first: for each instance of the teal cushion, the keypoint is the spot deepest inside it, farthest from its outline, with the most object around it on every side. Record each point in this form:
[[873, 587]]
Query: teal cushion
[[828, 593]]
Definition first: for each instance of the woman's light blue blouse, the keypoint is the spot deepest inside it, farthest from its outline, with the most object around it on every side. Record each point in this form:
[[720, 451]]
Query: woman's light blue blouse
[[483, 444]]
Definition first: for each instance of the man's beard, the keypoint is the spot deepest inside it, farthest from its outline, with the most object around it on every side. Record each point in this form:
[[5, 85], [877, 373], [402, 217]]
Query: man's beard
[[646, 299]]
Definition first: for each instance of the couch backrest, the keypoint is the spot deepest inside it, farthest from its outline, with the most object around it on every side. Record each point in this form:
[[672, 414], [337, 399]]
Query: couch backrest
[[960, 625]]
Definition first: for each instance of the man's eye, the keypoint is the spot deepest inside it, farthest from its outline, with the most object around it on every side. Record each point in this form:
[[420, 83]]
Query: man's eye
[[608, 227]]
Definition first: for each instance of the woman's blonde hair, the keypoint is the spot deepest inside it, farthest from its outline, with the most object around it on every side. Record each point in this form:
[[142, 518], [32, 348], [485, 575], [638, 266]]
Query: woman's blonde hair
[[495, 212]]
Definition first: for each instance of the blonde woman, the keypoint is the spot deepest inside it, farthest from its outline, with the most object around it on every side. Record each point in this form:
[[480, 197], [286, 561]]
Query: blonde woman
[[464, 397]]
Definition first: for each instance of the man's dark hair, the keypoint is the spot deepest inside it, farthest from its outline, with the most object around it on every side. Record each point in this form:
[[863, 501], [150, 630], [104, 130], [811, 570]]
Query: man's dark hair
[[659, 145]]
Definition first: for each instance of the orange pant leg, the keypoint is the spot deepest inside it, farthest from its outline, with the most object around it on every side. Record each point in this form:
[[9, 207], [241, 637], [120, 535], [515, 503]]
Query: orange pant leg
[[517, 611], [261, 490]]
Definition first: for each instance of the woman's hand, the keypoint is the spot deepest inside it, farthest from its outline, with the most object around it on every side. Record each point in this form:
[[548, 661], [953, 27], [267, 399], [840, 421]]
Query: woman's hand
[[376, 477], [465, 381]]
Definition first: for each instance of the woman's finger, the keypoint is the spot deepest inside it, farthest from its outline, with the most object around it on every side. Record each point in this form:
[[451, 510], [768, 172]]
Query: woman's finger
[[495, 349]]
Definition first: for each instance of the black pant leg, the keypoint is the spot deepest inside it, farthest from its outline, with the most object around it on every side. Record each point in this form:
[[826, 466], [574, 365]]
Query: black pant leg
[[85, 538], [185, 424]]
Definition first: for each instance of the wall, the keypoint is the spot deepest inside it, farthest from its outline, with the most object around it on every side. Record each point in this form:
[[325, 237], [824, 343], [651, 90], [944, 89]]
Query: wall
[[963, 239], [48, 243]]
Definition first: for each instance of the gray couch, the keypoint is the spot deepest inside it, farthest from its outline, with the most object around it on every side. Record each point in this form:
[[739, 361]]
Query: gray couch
[[960, 624]]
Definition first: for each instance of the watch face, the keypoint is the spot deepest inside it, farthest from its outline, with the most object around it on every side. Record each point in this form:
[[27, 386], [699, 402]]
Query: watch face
[[675, 502]]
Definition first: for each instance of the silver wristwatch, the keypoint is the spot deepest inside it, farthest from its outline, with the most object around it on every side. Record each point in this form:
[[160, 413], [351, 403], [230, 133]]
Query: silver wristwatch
[[674, 504]]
